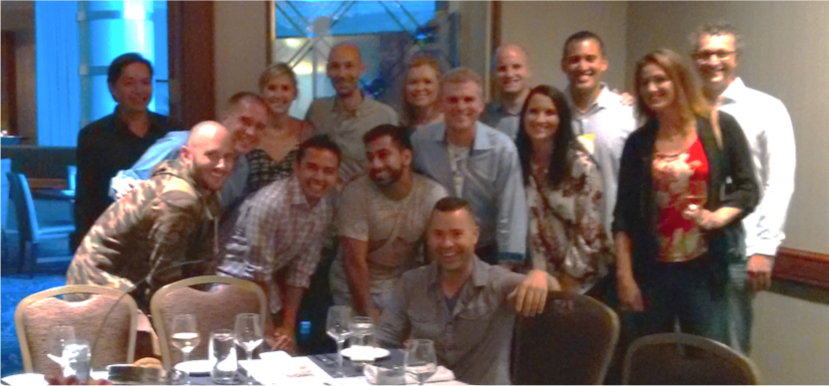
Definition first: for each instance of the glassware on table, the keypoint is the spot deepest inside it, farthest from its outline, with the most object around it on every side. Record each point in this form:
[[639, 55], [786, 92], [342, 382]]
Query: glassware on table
[[361, 338], [248, 334], [58, 336], [697, 194], [222, 357], [420, 359], [77, 357], [390, 375], [185, 335], [337, 327]]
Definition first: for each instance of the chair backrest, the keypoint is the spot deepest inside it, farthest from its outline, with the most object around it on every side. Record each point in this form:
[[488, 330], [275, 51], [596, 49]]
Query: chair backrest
[[684, 359], [24, 205], [38, 313], [214, 309], [570, 343]]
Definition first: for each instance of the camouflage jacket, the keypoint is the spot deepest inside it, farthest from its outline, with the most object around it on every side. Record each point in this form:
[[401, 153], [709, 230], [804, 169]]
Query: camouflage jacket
[[164, 222]]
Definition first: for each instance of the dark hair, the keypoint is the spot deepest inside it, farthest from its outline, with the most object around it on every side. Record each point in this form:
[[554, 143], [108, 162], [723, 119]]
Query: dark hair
[[581, 36], [399, 135], [118, 64], [716, 29], [319, 142], [687, 92], [563, 139], [453, 204]]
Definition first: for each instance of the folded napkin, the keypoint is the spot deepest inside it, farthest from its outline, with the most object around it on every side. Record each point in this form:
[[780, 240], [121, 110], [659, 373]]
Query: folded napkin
[[441, 375]]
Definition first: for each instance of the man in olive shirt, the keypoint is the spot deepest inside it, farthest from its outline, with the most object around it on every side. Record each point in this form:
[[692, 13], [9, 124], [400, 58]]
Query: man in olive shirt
[[461, 303]]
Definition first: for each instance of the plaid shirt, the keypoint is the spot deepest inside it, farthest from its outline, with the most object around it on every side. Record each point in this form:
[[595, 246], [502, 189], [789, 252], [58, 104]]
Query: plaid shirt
[[277, 228]]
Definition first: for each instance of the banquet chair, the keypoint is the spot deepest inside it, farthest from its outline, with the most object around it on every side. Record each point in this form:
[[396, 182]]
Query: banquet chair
[[214, 308], [570, 343], [30, 230], [684, 359], [38, 313]]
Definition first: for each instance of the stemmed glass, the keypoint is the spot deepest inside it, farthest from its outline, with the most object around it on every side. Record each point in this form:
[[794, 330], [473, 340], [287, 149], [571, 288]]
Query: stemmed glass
[[58, 336], [248, 333], [185, 335], [697, 194], [420, 359], [337, 327]]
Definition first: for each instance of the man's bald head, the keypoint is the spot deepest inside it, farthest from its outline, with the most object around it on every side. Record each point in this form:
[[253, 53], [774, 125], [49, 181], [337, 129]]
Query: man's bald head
[[209, 154], [512, 70], [344, 69]]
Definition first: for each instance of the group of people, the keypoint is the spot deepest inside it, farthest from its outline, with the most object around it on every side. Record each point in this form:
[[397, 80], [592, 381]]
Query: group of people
[[669, 210]]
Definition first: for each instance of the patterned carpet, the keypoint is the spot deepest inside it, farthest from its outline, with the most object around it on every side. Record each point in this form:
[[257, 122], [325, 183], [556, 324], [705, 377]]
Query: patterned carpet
[[13, 288]]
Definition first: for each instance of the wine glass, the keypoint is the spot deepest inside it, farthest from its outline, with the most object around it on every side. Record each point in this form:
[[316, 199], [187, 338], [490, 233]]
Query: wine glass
[[697, 194], [420, 359], [248, 333], [361, 329], [337, 327], [185, 335], [58, 336]]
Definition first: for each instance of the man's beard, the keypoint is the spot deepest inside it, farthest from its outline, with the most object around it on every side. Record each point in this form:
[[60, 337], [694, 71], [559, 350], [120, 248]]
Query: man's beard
[[393, 176]]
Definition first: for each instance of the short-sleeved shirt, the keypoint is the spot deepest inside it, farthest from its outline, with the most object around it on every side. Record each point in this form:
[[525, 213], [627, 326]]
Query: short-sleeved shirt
[[499, 119], [393, 229], [277, 228], [473, 338], [676, 178], [347, 130]]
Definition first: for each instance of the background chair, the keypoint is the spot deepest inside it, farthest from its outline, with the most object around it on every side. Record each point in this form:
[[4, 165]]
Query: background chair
[[684, 359], [36, 314], [571, 343], [29, 229], [214, 309]]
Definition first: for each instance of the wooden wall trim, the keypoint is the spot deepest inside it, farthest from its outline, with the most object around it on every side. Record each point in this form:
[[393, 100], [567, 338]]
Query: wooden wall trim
[[801, 266], [191, 61]]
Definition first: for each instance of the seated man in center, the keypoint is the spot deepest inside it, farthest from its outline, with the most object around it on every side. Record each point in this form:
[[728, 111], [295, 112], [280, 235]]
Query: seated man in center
[[461, 303], [278, 236], [381, 220]]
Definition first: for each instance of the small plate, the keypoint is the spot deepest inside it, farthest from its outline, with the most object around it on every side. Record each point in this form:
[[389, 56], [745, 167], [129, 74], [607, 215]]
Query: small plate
[[26, 379], [201, 366], [375, 353]]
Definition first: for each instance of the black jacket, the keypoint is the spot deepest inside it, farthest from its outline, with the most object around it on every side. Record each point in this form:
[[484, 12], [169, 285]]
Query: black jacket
[[636, 211]]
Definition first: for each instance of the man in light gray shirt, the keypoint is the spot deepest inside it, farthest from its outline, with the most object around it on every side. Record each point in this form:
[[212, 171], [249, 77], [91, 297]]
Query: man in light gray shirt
[[381, 220], [465, 306], [600, 120], [349, 114]]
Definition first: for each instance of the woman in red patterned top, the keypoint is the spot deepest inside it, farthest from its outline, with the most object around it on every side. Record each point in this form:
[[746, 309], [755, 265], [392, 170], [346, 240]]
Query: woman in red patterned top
[[685, 181]]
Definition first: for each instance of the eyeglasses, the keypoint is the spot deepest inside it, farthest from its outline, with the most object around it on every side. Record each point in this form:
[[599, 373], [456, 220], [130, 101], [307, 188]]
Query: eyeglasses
[[702, 56]]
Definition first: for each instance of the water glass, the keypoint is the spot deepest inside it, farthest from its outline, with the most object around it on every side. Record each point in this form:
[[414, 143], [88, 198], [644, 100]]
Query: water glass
[[361, 329], [391, 375], [222, 357], [76, 356], [420, 359], [58, 336]]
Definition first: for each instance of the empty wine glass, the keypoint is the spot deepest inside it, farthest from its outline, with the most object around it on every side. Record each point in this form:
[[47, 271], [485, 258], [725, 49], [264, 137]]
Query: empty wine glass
[[248, 334], [420, 359], [58, 336], [185, 335], [337, 327]]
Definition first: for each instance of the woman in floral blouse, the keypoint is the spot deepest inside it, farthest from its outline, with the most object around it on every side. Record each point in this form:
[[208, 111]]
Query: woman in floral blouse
[[564, 193], [278, 146]]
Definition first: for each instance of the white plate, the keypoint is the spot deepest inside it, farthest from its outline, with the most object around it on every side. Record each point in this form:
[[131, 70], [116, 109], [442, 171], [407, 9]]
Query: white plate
[[201, 366], [33, 379], [375, 353]]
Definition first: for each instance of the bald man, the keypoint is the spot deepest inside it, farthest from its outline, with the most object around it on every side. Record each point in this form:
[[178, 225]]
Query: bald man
[[349, 114], [512, 72], [155, 229]]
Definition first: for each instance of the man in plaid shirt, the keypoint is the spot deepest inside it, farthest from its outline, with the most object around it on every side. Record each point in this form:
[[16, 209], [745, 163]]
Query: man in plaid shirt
[[279, 234]]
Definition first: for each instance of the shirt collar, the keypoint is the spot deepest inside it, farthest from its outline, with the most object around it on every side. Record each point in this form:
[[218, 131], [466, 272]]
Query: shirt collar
[[733, 92], [480, 142], [297, 195], [480, 276], [154, 120], [361, 109], [605, 99]]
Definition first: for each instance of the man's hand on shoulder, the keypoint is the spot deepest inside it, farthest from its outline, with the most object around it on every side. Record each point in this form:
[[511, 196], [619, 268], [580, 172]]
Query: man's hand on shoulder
[[530, 296], [121, 186]]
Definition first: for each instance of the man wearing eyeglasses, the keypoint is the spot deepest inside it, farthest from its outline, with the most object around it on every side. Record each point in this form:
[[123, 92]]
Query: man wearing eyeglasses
[[768, 128]]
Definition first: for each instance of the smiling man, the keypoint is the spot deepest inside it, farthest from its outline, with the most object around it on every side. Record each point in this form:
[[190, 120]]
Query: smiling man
[[465, 306], [349, 114], [478, 163], [278, 237], [381, 220], [512, 73], [600, 120], [768, 128], [162, 223]]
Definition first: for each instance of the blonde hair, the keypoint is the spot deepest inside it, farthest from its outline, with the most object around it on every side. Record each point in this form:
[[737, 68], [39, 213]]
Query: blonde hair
[[462, 75], [275, 70], [688, 92]]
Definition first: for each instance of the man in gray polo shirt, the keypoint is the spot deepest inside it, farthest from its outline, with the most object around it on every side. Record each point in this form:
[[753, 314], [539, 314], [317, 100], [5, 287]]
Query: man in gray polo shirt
[[465, 306], [349, 114]]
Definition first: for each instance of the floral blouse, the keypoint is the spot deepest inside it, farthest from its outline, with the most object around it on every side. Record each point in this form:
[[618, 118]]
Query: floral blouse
[[264, 170], [566, 231]]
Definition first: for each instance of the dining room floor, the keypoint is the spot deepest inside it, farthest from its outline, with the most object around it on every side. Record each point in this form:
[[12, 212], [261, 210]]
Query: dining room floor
[[13, 288]]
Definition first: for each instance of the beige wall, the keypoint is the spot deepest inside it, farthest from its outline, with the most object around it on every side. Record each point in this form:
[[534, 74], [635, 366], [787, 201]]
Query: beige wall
[[240, 31], [542, 28]]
